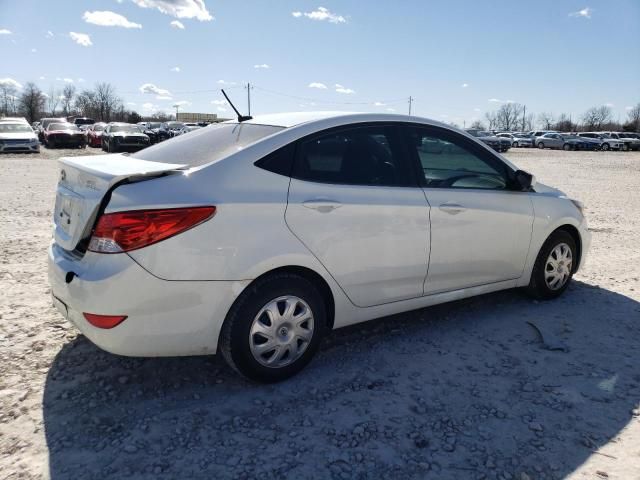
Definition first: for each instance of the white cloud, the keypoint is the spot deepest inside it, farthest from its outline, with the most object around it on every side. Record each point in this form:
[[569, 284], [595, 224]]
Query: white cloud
[[219, 102], [465, 85], [321, 14], [105, 18], [131, 104], [262, 65], [164, 97], [182, 103], [151, 88], [42, 77], [343, 89], [81, 39], [224, 82], [49, 34], [494, 100], [477, 110], [178, 8], [609, 105], [45, 95], [318, 85], [175, 69], [67, 80], [628, 107], [584, 13], [4, 31], [221, 109], [391, 109], [34, 50], [10, 82], [81, 80], [177, 24], [378, 104], [149, 107]]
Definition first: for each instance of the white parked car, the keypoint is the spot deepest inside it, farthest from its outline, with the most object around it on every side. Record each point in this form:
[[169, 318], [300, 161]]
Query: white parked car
[[255, 239], [608, 142], [18, 137], [517, 139]]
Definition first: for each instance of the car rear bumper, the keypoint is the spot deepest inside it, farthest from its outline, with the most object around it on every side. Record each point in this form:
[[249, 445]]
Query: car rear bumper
[[164, 318]]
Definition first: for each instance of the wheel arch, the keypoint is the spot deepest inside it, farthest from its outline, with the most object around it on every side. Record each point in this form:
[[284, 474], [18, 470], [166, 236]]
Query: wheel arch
[[575, 234]]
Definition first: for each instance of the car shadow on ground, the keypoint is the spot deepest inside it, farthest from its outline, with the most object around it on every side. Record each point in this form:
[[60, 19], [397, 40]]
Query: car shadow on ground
[[468, 389]]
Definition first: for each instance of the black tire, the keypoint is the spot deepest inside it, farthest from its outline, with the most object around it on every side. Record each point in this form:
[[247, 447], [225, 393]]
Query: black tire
[[605, 147], [538, 287], [234, 337], [566, 147], [51, 144], [515, 145], [541, 146]]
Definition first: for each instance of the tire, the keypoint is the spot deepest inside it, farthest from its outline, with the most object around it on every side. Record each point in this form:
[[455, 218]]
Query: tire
[[514, 145], [237, 343], [541, 146], [566, 147], [51, 144], [605, 147], [541, 285]]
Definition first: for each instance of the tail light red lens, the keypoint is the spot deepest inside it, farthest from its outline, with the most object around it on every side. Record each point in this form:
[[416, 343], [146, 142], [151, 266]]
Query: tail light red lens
[[104, 321], [125, 231]]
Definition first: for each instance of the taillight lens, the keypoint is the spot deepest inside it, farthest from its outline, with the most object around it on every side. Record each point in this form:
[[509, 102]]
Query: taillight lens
[[104, 321], [125, 231]]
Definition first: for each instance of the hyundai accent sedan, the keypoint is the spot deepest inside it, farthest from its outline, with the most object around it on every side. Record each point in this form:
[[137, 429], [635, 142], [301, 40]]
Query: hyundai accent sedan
[[256, 238]]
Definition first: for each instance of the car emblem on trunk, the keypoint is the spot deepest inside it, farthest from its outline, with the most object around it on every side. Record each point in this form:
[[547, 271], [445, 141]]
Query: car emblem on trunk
[[63, 175]]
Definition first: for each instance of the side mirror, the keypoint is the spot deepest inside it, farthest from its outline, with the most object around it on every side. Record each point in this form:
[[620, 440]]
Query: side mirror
[[524, 180]]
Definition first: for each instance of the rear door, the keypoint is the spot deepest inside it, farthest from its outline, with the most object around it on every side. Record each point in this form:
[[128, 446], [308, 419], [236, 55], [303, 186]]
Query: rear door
[[480, 228], [355, 203]]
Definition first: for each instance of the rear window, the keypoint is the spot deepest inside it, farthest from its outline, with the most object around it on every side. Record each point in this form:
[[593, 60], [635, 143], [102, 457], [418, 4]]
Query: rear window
[[206, 145]]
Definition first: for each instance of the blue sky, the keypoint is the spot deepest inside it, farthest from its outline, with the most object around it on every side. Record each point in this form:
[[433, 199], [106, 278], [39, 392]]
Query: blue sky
[[458, 59]]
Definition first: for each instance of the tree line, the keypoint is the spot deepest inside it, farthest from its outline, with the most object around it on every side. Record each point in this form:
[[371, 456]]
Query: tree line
[[513, 117], [100, 103]]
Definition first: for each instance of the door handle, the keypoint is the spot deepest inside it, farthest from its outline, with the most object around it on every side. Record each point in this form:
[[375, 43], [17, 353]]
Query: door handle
[[321, 205], [452, 208]]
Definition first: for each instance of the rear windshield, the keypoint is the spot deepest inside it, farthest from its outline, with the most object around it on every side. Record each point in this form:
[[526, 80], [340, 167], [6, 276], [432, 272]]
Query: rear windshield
[[63, 126], [84, 121], [206, 144], [14, 127], [125, 128]]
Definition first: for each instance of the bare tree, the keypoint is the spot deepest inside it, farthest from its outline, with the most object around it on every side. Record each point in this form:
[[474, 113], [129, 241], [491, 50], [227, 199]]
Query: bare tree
[[68, 94], [31, 102], [477, 125], [546, 120], [53, 100], [527, 122], [106, 100], [492, 119], [634, 118], [564, 124], [509, 116], [597, 117], [7, 97]]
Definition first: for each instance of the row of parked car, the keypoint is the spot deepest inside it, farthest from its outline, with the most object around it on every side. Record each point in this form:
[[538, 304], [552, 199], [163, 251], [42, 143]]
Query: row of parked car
[[111, 137], [503, 141]]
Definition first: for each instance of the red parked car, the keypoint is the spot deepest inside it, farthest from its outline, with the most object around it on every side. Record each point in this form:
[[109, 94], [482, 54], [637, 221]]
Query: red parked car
[[64, 135], [94, 134]]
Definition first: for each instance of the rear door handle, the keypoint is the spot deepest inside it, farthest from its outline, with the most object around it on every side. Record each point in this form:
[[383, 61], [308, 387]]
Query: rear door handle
[[452, 208], [322, 205]]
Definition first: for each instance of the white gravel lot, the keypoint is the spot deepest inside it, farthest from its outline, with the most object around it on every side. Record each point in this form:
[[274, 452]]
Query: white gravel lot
[[462, 390]]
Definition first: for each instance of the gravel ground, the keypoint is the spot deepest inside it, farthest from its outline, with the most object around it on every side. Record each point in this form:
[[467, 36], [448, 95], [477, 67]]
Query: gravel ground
[[462, 390]]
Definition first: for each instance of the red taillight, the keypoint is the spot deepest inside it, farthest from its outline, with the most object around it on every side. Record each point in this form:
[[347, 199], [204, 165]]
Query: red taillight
[[126, 231], [104, 321]]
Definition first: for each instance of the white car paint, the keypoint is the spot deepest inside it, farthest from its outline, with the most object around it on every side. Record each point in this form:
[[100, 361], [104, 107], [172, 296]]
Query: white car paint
[[14, 141], [380, 250]]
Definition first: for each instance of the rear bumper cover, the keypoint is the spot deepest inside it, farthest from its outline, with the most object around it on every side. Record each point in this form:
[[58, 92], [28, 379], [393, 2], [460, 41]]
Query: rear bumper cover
[[165, 318]]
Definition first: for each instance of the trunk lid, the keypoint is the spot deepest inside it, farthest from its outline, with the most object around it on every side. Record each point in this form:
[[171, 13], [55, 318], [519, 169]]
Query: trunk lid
[[83, 183]]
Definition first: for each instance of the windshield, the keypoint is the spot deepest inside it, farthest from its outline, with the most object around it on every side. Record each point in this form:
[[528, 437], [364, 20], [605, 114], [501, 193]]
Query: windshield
[[63, 126], [569, 136], [125, 128], [521, 135], [98, 128], [175, 125], [14, 127], [627, 135], [605, 135], [84, 121], [206, 145], [154, 125], [484, 134]]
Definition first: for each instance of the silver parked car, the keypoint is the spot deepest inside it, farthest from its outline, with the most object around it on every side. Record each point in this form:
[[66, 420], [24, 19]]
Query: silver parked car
[[517, 139], [630, 141]]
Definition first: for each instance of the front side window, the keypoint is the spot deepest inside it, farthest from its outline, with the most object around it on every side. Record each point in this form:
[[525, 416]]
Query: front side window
[[448, 160], [366, 155]]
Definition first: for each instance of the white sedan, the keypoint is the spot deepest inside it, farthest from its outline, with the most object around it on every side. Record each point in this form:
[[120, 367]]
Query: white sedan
[[255, 238], [18, 136]]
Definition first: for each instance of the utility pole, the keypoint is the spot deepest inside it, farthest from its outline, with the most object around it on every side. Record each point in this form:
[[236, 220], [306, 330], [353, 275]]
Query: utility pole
[[410, 102], [177, 107], [249, 87], [524, 114]]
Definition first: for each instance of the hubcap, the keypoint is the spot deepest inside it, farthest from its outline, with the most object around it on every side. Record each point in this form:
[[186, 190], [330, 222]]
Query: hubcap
[[281, 331], [557, 269]]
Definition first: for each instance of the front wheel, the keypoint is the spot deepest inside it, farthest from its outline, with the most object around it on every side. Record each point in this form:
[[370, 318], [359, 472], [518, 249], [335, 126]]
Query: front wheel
[[605, 147], [274, 328], [515, 145], [566, 147], [554, 266], [541, 146]]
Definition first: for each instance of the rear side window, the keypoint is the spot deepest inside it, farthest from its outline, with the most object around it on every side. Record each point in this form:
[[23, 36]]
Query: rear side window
[[207, 144], [366, 155], [280, 161]]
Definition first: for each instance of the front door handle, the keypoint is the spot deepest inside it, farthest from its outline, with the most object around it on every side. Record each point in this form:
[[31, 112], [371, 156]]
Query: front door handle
[[322, 205], [452, 208]]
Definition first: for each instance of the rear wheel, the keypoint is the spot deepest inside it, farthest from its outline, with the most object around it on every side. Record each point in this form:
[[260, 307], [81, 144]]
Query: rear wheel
[[541, 146], [554, 266], [274, 328], [605, 146], [566, 147], [515, 145]]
